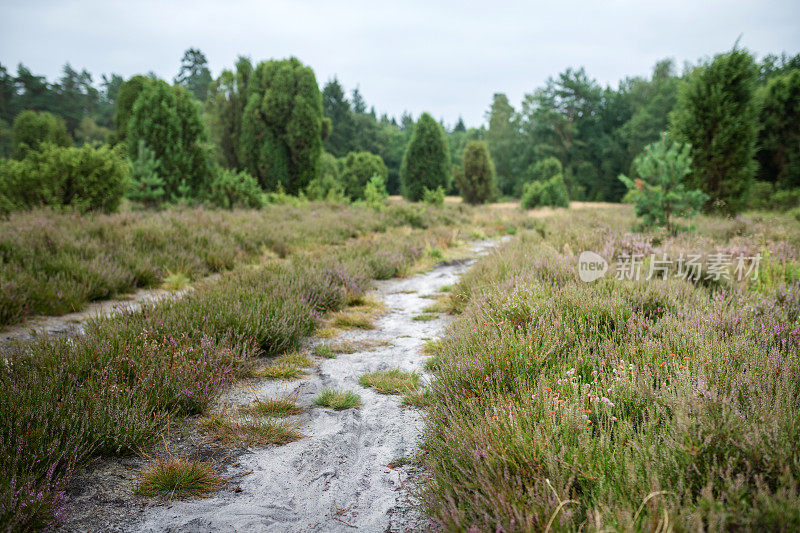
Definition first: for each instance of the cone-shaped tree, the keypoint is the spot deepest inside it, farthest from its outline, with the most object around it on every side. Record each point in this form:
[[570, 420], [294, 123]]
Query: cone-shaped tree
[[426, 163], [128, 92], [168, 120], [717, 114], [281, 137], [477, 180]]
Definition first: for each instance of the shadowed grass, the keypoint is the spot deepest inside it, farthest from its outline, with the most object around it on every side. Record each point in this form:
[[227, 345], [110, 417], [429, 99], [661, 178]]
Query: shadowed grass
[[338, 400], [392, 381], [250, 430]]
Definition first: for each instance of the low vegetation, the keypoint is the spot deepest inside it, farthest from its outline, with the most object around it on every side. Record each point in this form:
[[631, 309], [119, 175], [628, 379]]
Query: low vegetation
[[649, 404], [168, 477], [338, 400], [249, 430], [393, 381]]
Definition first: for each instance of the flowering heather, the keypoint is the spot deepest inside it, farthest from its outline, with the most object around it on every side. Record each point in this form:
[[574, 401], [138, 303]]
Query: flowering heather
[[55, 263], [625, 405], [112, 390]]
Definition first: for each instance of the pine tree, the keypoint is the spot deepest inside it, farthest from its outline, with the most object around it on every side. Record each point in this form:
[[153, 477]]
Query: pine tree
[[194, 74], [477, 179], [717, 114], [660, 192], [281, 137], [147, 186], [426, 163]]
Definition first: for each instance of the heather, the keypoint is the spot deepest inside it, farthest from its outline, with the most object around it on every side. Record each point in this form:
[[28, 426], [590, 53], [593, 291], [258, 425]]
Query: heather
[[620, 404], [113, 390], [54, 263]]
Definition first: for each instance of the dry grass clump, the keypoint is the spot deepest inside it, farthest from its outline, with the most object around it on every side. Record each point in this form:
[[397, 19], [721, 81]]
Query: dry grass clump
[[336, 399], [277, 407], [393, 381], [250, 430], [352, 320], [167, 476], [176, 281]]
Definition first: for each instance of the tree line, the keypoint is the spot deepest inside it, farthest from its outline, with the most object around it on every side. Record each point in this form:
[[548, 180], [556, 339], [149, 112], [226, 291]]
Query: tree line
[[267, 128]]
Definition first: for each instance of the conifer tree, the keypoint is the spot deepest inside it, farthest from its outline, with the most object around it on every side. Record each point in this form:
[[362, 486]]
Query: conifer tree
[[168, 120], [779, 139], [660, 191], [717, 114], [476, 181], [426, 163], [281, 137]]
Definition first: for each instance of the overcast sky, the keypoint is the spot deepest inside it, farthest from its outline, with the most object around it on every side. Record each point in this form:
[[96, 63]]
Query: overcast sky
[[447, 58]]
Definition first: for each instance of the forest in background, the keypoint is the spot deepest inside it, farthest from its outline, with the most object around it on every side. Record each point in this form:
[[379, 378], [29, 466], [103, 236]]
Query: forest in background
[[595, 132]]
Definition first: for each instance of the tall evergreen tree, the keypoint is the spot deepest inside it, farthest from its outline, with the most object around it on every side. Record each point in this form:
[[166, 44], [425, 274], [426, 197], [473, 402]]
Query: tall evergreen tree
[[336, 107], [477, 179], [501, 138], [779, 139], [717, 114], [167, 120], [281, 138], [227, 98], [426, 163], [194, 74]]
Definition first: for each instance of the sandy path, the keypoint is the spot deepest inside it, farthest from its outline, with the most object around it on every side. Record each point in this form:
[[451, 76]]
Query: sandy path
[[342, 464]]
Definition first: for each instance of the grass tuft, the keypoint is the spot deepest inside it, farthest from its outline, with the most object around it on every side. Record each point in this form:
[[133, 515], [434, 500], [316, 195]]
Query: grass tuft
[[338, 400], [284, 406], [392, 381], [168, 476], [352, 320], [323, 350], [425, 317], [250, 430], [175, 281]]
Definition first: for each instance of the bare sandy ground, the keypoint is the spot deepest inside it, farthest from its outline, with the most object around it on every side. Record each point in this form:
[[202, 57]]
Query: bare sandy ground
[[71, 323], [337, 478]]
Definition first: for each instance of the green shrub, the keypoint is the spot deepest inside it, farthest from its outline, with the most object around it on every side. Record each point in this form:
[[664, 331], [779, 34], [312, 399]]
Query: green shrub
[[231, 189], [663, 167], [433, 196], [146, 185], [327, 185], [375, 194], [32, 129], [476, 181], [84, 178], [357, 169], [544, 169], [783, 200], [552, 192], [760, 195], [426, 163]]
